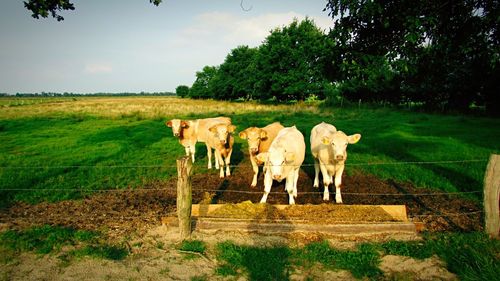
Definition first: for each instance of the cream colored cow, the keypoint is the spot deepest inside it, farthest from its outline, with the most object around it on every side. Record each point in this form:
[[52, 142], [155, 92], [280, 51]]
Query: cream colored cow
[[283, 161], [220, 138], [259, 140], [329, 150], [191, 131]]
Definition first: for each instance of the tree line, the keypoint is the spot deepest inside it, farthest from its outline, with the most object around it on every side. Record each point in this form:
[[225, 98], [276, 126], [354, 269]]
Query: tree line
[[438, 54], [70, 94]]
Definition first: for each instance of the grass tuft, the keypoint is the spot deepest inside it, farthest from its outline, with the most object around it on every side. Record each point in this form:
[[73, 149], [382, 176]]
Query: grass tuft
[[361, 263], [196, 246], [51, 239], [472, 256], [259, 263]]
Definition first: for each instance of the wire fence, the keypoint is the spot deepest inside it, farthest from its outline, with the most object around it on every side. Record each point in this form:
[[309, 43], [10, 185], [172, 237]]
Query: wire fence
[[235, 166], [172, 189]]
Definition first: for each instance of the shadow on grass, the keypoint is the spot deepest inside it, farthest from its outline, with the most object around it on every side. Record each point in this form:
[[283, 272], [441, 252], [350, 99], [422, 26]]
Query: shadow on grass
[[260, 263]]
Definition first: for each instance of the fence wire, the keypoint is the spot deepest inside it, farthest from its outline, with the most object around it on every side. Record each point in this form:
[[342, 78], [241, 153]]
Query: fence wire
[[146, 217], [239, 166]]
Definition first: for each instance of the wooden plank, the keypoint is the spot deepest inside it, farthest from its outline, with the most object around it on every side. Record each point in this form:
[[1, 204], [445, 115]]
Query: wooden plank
[[397, 212], [492, 196], [270, 228]]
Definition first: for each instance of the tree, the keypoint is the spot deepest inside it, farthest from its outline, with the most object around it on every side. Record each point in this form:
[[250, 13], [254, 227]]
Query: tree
[[443, 53], [42, 8], [202, 86], [236, 76], [182, 91], [292, 62]]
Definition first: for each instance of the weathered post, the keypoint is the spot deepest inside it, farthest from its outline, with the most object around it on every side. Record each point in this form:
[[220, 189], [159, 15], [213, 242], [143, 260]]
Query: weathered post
[[184, 197], [492, 196]]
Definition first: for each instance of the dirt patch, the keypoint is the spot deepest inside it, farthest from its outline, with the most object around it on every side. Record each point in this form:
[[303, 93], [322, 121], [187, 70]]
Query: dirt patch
[[127, 212], [405, 268]]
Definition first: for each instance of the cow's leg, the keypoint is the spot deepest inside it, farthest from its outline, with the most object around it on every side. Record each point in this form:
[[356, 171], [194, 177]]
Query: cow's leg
[[316, 172], [327, 179], [290, 180], [209, 155], [338, 182], [217, 162], [268, 182], [255, 168], [296, 179], [193, 151], [228, 161], [218, 157]]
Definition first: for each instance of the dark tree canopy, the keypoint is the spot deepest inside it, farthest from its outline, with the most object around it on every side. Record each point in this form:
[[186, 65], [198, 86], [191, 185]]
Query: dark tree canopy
[[42, 8]]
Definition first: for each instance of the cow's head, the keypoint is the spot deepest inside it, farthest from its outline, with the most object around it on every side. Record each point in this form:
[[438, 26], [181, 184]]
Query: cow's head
[[177, 125], [221, 131], [339, 141], [275, 160], [253, 135]]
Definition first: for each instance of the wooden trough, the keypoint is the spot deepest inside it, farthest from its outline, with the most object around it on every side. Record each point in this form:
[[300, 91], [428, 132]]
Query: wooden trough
[[325, 219]]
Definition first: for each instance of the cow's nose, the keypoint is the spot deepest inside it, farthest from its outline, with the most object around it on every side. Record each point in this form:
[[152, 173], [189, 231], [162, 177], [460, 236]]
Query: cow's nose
[[223, 141], [176, 134], [339, 157], [276, 177]]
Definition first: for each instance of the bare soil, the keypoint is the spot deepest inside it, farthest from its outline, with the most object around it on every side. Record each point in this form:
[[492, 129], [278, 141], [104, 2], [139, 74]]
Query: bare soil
[[133, 211]]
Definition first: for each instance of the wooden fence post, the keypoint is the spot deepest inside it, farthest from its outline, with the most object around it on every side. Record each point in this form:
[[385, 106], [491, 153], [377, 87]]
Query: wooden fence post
[[184, 196], [492, 196]]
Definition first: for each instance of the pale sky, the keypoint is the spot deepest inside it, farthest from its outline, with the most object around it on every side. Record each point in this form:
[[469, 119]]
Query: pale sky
[[132, 45]]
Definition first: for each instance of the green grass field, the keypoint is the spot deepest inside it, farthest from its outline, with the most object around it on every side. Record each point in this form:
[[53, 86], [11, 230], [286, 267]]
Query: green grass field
[[63, 148]]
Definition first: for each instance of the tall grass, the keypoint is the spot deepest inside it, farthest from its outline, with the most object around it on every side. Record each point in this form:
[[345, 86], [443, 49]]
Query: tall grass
[[65, 148]]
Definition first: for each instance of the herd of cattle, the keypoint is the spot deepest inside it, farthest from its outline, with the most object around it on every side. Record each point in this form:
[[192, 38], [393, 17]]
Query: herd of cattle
[[280, 150]]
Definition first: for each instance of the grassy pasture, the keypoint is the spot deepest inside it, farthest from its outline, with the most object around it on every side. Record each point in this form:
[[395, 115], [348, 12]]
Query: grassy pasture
[[67, 147]]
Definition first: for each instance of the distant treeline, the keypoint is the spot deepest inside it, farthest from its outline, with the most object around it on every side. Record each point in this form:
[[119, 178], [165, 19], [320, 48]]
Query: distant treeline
[[439, 54], [66, 94]]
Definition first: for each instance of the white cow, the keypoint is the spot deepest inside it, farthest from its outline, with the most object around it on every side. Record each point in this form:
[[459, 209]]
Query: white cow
[[329, 150], [283, 161]]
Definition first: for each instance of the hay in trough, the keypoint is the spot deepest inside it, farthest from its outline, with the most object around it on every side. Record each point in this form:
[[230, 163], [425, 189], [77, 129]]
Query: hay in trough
[[314, 214]]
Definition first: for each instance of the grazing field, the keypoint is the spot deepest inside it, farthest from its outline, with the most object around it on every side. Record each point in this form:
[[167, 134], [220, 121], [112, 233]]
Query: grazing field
[[53, 149], [63, 148]]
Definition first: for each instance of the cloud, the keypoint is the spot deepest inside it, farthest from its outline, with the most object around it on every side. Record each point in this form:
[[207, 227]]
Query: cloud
[[227, 28], [98, 68]]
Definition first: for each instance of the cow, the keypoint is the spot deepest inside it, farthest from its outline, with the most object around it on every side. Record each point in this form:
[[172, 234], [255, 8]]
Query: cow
[[220, 138], [329, 151], [191, 131], [259, 140], [283, 160]]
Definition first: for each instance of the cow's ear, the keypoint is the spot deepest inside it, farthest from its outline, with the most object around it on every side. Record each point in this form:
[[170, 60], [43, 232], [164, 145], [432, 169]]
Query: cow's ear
[[231, 128], [262, 157], [325, 140], [289, 157], [184, 124], [169, 123], [263, 135], [243, 134], [213, 129], [353, 138]]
